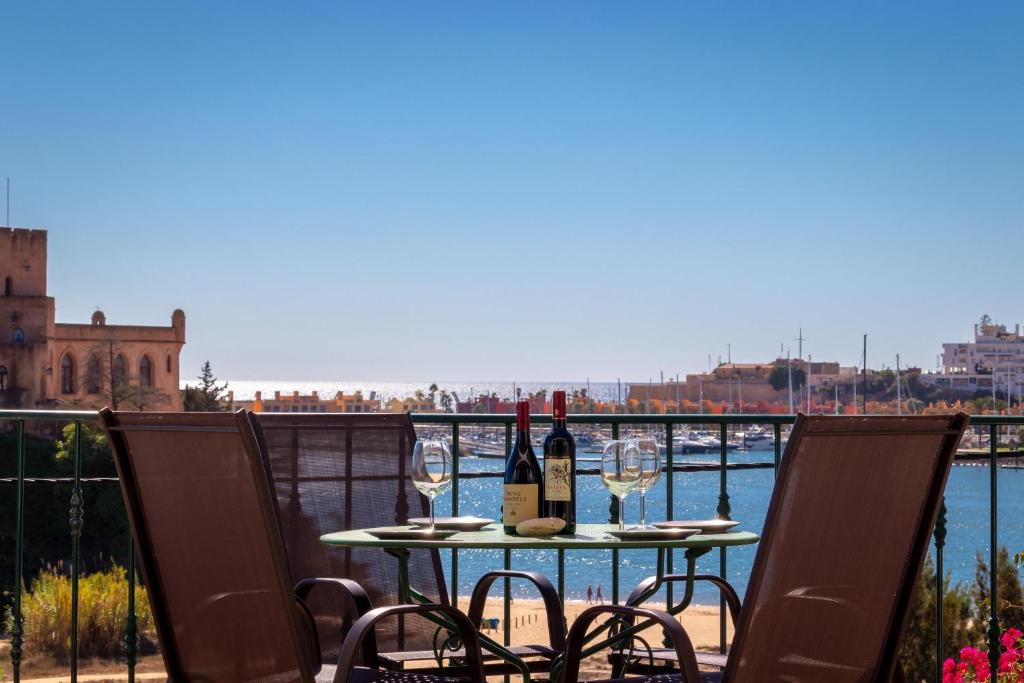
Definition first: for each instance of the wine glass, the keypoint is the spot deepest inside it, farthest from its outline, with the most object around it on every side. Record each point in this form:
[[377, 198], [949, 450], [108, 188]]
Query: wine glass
[[650, 473], [620, 471], [431, 470]]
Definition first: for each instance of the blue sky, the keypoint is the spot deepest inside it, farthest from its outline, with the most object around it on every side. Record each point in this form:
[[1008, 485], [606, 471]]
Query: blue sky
[[446, 190]]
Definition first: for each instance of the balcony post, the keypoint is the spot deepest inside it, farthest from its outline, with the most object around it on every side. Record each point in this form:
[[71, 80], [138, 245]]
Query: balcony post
[[669, 502], [18, 620], [723, 513], [455, 511], [613, 517], [131, 633], [76, 521], [940, 543], [993, 621]]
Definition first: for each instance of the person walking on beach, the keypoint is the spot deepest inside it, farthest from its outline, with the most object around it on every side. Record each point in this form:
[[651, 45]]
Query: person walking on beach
[[590, 594], [600, 596]]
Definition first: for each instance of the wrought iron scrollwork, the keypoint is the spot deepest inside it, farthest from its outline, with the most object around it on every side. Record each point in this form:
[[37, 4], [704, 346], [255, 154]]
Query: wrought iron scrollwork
[[445, 645]]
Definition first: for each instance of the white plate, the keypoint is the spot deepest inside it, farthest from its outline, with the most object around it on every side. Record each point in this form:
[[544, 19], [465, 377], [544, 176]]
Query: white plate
[[410, 534], [711, 526], [453, 523], [674, 534]]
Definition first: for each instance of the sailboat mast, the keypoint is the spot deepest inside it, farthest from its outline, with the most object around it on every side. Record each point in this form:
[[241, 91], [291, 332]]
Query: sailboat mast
[[855, 393], [789, 370], [899, 395], [865, 359], [808, 383]]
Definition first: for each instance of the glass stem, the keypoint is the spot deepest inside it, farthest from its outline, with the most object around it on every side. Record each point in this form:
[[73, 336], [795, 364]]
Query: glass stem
[[431, 514], [643, 511], [622, 513]]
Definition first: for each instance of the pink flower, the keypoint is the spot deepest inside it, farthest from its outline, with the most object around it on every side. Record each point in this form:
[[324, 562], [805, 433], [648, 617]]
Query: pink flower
[[1010, 637]]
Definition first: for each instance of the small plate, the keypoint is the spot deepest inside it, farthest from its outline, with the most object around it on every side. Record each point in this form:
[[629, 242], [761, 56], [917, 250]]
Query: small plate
[[673, 534], [712, 526], [469, 523], [410, 534]]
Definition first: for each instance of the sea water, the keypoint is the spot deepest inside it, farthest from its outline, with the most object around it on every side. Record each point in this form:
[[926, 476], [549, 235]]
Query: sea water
[[696, 497]]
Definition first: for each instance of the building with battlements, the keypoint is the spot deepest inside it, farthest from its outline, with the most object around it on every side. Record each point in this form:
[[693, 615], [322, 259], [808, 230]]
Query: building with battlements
[[46, 364]]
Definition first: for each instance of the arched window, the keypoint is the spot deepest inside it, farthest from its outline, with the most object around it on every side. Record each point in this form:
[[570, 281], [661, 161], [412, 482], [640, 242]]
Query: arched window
[[169, 367], [67, 374], [119, 372], [93, 375], [18, 336], [145, 372]]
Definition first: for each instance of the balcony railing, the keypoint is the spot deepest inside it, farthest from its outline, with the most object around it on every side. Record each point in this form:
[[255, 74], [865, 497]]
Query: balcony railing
[[454, 424]]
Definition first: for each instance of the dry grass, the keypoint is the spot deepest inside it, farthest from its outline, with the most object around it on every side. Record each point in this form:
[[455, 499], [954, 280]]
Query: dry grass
[[102, 610]]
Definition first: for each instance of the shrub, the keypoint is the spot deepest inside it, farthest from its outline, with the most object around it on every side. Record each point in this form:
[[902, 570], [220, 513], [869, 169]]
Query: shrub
[[47, 539], [1010, 610], [918, 654], [102, 610]]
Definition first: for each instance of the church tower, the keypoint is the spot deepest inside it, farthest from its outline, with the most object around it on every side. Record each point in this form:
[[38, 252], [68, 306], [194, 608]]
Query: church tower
[[26, 320]]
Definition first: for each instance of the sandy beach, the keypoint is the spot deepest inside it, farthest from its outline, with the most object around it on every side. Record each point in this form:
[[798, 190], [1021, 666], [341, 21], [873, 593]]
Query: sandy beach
[[529, 625]]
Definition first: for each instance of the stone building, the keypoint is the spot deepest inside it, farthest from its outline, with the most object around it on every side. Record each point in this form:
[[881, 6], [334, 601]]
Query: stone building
[[46, 364]]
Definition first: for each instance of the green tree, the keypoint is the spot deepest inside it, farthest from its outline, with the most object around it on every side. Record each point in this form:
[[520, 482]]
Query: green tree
[[447, 404], [918, 654], [207, 396], [779, 377], [1010, 610]]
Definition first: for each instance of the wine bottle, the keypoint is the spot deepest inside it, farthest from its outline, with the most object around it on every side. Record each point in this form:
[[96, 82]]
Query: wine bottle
[[560, 467], [524, 496]]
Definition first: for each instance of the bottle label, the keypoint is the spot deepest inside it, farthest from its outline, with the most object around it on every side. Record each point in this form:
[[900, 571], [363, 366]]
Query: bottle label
[[557, 475], [522, 502]]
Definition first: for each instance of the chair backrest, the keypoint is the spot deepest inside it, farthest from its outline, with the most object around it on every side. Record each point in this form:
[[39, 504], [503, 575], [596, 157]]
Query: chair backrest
[[846, 533], [209, 549], [340, 471]]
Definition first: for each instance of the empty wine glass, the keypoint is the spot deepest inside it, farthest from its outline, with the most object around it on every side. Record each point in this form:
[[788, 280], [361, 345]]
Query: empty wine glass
[[620, 471], [431, 470], [650, 473]]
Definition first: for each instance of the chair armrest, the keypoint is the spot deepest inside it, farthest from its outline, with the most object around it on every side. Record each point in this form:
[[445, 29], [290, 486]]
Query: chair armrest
[[364, 626], [355, 593], [578, 633], [732, 599], [552, 605], [358, 600]]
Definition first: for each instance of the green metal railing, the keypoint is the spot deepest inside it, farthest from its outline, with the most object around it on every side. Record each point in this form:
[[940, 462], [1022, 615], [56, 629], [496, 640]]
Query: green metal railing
[[78, 515]]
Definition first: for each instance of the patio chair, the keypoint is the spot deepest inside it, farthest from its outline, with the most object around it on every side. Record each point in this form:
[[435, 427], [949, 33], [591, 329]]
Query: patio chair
[[847, 531], [212, 559], [340, 471]]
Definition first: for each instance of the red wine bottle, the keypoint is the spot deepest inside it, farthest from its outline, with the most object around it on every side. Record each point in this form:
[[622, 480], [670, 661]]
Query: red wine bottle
[[524, 495], [560, 467]]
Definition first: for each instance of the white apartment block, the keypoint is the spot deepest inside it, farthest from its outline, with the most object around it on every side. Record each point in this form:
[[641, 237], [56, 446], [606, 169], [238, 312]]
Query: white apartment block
[[996, 355]]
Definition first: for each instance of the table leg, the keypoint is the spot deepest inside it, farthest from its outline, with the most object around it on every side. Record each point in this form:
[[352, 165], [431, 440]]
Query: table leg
[[691, 570], [620, 631], [408, 594]]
